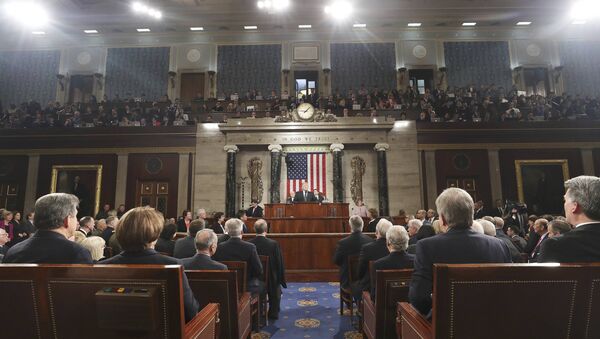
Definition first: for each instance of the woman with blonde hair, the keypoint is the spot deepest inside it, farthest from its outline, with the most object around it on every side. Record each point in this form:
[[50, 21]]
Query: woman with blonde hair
[[95, 245], [137, 233]]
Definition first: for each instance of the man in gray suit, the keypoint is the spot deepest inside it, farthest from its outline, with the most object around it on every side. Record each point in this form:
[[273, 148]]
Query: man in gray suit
[[185, 247], [206, 245]]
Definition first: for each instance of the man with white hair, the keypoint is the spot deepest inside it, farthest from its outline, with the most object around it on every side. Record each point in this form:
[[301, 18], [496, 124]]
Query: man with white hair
[[201, 214], [371, 252], [206, 246], [3, 241], [236, 249], [348, 246], [397, 243], [460, 245], [583, 211], [413, 226]]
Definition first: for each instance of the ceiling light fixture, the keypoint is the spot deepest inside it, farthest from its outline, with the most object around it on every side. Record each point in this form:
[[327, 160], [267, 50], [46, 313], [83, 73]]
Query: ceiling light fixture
[[414, 24], [139, 7], [467, 24], [90, 31], [579, 22], [38, 33], [523, 23], [27, 13], [340, 10], [359, 25], [143, 30], [304, 26], [196, 28], [273, 5], [249, 28]]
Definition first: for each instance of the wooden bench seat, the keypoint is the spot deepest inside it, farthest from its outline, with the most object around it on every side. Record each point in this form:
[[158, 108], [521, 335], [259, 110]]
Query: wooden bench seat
[[221, 287], [509, 301], [379, 316], [98, 301]]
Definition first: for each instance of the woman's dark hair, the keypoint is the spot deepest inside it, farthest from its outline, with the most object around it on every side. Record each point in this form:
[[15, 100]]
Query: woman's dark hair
[[168, 231], [425, 231], [218, 216]]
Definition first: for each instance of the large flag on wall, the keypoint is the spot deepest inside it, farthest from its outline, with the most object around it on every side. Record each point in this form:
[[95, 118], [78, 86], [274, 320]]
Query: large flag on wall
[[309, 167]]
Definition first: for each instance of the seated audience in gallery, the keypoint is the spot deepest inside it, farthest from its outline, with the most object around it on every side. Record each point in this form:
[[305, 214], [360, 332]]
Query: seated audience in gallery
[[276, 280], [350, 245], [56, 222], [103, 214], [96, 246], [459, 245], [583, 212], [558, 227], [413, 227], [513, 233], [7, 223], [111, 225], [86, 226], [424, 232], [370, 252], [398, 259], [166, 243], [3, 242], [236, 249], [137, 234], [206, 244], [185, 247]]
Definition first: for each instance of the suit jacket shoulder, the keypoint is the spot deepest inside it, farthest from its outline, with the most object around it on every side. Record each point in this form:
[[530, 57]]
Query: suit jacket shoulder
[[578, 245], [202, 262]]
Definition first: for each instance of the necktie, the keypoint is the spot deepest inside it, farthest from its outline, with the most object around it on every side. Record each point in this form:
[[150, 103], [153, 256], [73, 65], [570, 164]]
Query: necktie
[[304, 195]]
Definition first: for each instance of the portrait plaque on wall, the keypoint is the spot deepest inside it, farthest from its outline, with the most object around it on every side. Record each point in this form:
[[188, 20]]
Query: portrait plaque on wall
[[540, 184], [83, 181]]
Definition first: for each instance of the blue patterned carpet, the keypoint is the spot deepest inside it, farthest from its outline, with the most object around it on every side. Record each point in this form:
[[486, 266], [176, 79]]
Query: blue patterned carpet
[[310, 310]]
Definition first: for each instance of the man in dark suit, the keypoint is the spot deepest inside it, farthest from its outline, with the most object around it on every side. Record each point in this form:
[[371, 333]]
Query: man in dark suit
[[270, 248], [350, 245], [3, 241], [370, 252], [206, 245], [254, 211], [235, 249], [86, 226], [305, 195], [397, 243], [583, 211], [56, 221], [111, 225], [460, 245], [186, 247], [541, 228], [519, 242]]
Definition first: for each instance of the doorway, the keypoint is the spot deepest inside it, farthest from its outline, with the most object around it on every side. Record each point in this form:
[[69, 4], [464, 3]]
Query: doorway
[[306, 83], [536, 81], [192, 87], [154, 194], [81, 88], [421, 79]]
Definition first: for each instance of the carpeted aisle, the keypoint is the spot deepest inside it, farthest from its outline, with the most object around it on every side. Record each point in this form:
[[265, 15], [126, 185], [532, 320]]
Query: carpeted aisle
[[310, 310]]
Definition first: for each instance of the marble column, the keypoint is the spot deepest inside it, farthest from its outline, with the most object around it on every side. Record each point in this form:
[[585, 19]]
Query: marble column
[[230, 180], [587, 157], [182, 182], [338, 186], [495, 178], [431, 178], [275, 173], [382, 182], [31, 186]]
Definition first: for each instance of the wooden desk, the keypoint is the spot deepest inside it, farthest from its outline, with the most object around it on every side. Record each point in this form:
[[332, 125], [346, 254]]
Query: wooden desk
[[306, 210], [308, 256]]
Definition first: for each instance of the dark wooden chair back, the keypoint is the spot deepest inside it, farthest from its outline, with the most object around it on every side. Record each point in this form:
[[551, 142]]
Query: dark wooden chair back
[[391, 287], [592, 327], [264, 260], [242, 273], [149, 305], [353, 268], [108, 252], [551, 298], [220, 286]]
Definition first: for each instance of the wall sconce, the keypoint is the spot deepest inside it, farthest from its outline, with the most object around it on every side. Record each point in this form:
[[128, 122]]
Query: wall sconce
[[517, 71], [61, 81], [172, 78], [558, 73], [442, 70], [98, 77], [211, 77], [402, 71], [285, 72], [326, 72]]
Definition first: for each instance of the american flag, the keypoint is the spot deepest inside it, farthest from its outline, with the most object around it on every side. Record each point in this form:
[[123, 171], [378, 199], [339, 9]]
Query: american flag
[[309, 167]]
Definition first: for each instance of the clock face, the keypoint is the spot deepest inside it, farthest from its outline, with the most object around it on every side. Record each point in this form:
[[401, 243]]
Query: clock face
[[306, 111]]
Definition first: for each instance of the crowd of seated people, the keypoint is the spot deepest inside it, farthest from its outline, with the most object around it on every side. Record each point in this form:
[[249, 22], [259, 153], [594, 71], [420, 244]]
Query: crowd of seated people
[[463, 231], [466, 104]]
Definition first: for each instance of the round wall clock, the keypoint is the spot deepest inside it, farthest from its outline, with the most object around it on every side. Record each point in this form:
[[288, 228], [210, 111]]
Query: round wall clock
[[305, 111]]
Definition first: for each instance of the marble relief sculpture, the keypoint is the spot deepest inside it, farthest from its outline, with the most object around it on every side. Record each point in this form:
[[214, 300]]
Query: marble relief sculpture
[[358, 171], [255, 174]]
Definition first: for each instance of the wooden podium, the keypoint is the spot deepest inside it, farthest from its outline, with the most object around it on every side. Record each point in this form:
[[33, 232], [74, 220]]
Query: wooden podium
[[305, 218]]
